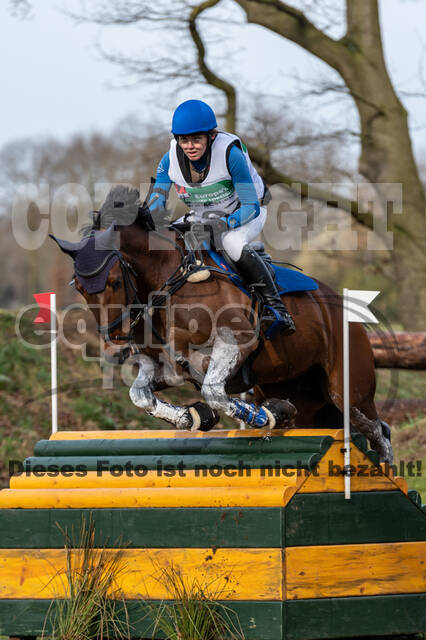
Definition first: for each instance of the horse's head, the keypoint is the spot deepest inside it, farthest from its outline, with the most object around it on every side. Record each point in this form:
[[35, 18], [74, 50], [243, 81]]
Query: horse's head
[[107, 281]]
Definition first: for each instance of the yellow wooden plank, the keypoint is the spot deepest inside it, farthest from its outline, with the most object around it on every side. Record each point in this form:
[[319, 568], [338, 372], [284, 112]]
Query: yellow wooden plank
[[152, 479], [334, 571], [274, 496], [368, 477], [237, 574], [172, 433], [401, 483]]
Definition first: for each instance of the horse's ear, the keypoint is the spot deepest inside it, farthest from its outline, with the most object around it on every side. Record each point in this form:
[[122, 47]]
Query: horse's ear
[[107, 240], [144, 218], [71, 248]]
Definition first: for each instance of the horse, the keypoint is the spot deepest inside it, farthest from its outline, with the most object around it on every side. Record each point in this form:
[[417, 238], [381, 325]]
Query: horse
[[180, 317]]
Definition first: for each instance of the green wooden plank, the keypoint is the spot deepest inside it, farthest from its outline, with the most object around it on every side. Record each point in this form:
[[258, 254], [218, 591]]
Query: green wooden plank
[[374, 456], [360, 441], [355, 617], [371, 516], [215, 464], [258, 620], [146, 527], [415, 497], [183, 446]]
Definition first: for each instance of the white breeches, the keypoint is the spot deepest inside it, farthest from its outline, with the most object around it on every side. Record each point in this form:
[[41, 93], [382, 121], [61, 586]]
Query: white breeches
[[234, 240]]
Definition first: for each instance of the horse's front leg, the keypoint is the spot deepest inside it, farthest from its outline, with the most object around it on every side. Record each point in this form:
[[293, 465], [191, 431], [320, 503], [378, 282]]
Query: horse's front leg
[[226, 358], [196, 416]]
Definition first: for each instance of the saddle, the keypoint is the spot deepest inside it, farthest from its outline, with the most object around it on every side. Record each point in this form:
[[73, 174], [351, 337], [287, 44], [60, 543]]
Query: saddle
[[286, 279]]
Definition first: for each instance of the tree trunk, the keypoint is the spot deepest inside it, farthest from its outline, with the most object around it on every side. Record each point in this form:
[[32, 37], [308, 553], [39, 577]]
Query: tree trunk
[[387, 155], [401, 350], [386, 151]]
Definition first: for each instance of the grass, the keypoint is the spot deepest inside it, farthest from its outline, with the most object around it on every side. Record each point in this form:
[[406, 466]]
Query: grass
[[90, 608], [409, 432], [409, 442], [194, 612], [400, 384]]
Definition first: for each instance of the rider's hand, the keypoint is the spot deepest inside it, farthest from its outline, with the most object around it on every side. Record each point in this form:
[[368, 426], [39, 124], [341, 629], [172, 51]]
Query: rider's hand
[[217, 225], [157, 202]]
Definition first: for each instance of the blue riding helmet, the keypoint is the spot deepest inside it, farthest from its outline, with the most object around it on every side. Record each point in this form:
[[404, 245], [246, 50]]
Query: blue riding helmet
[[193, 116]]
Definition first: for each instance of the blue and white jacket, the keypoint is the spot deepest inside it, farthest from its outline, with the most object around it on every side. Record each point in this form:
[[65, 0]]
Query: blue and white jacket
[[231, 184]]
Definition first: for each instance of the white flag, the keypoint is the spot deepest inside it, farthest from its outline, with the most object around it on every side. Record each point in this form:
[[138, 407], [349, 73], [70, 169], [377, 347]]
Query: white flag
[[356, 305]]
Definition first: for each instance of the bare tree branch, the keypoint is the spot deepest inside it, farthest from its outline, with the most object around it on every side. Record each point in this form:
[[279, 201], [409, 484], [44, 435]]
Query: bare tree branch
[[160, 70], [293, 24], [20, 9], [305, 190], [212, 78], [118, 12]]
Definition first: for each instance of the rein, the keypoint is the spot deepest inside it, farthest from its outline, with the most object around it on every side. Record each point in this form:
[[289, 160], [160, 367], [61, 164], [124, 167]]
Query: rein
[[176, 280], [130, 290]]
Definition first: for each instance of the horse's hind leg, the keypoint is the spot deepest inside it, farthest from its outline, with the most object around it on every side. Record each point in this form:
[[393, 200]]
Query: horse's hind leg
[[373, 430], [363, 413], [196, 416], [226, 357]]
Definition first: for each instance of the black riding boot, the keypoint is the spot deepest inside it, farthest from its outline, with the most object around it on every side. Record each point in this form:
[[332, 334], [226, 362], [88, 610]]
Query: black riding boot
[[256, 275]]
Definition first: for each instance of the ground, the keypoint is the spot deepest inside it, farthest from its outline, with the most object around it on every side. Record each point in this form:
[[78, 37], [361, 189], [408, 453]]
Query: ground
[[84, 404]]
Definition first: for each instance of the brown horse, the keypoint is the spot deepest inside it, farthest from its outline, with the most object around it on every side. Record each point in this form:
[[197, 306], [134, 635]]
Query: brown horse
[[205, 331]]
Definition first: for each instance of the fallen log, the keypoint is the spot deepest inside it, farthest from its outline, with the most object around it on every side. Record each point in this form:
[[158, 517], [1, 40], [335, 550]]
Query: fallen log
[[399, 350]]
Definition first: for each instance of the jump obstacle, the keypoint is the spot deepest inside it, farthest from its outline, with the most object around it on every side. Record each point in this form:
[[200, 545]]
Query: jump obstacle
[[263, 517]]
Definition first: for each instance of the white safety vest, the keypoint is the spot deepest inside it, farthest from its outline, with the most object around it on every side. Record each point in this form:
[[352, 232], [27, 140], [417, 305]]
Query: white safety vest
[[216, 191]]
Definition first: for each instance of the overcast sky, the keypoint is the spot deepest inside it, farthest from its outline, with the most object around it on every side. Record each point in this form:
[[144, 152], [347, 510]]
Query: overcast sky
[[54, 82]]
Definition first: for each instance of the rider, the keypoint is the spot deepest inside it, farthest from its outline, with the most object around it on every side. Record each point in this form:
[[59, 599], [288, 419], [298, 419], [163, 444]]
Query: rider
[[212, 172]]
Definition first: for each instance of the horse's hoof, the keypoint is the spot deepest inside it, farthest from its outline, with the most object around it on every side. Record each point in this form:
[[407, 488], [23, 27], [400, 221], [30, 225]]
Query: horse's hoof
[[283, 413], [203, 417], [386, 430]]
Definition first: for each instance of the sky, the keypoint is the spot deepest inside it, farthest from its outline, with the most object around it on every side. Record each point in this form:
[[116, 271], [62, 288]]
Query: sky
[[54, 82]]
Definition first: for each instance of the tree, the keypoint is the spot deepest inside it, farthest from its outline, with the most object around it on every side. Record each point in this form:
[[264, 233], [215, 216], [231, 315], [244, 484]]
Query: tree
[[386, 150], [386, 156]]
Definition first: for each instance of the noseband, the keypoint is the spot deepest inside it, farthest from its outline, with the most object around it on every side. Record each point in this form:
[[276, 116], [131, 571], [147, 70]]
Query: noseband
[[132, 300]]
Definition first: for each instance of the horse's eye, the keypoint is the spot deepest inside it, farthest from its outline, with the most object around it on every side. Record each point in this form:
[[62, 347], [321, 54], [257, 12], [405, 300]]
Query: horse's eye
[[116, 285]]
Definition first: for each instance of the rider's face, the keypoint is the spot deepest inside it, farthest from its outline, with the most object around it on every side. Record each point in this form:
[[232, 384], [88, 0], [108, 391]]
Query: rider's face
[[194, 145]]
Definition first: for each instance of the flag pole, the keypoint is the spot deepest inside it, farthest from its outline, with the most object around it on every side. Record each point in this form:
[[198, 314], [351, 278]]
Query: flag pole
[[53, 367], [346, 396]]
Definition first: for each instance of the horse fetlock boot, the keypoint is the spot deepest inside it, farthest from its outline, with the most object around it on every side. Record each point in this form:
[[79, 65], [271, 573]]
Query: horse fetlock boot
[[257, 276], [252, 415], [282, 412], [203, 417]]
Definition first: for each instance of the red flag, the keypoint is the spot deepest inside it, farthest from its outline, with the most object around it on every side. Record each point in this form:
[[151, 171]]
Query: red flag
[[43, 301]]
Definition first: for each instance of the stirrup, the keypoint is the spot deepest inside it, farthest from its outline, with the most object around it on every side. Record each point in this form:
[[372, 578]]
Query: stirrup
[[278, 323]]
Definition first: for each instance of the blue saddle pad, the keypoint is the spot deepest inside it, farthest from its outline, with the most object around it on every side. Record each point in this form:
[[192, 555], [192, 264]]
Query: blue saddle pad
[[287, 280]]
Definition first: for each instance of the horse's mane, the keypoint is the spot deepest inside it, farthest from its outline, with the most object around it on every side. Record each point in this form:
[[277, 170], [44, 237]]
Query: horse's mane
[[121, 206]]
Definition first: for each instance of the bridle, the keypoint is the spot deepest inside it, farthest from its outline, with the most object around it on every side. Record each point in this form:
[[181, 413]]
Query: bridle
[[190, 262], [133, 307]]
